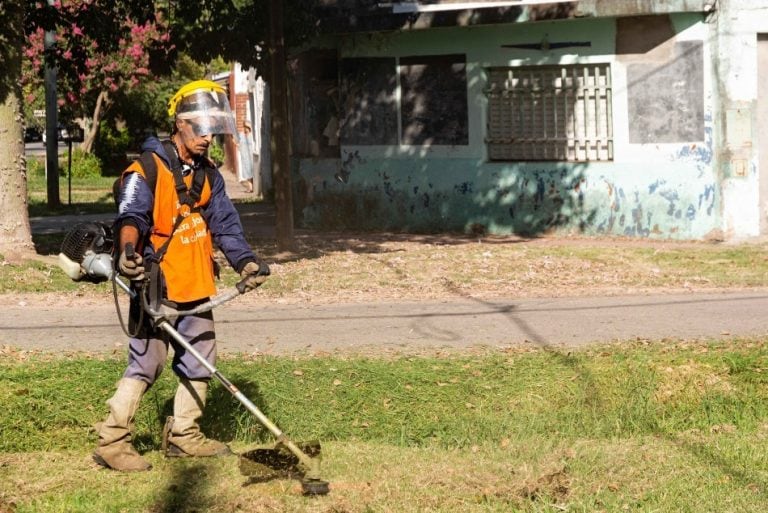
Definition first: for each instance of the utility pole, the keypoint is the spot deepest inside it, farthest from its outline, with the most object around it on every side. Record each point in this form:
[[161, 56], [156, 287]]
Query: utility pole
[[281, 171], [51, 121]]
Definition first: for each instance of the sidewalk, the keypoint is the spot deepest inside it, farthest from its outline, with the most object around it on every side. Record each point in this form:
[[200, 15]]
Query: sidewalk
[[414, 327]]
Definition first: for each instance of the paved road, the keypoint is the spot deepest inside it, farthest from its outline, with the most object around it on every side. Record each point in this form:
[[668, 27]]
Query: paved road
[[408, 326], [415, 326], [37, 149]]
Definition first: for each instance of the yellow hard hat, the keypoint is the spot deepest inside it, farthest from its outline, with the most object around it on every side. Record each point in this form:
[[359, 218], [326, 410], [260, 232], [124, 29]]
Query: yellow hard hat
[[205, 105]]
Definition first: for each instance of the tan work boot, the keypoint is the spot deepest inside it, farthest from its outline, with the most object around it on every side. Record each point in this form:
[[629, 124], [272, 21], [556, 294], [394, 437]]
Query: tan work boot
[[114, 449], [182, 436]]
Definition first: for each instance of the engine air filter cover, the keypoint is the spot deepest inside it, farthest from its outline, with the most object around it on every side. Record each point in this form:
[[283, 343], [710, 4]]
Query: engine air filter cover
[[90, 236]]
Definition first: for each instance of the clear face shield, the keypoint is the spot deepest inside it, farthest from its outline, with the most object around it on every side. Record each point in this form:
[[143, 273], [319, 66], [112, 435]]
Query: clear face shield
[[206, 113]]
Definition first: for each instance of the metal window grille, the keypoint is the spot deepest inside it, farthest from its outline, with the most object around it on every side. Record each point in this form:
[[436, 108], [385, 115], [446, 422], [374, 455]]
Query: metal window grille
[[560, 113]]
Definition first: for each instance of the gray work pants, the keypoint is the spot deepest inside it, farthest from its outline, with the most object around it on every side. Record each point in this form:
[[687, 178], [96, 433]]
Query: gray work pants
[[147, 354]]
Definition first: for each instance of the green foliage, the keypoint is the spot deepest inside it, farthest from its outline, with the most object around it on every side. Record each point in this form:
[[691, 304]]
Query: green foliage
[[189, 68], [35, 168], [218, 65], [143, 109], [113, 140], [216, 152], [238, 31], [84, 165], [112, 146]]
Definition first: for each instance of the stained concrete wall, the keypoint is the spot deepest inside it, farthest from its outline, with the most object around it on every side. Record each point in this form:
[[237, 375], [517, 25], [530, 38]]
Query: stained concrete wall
[[663, 181]]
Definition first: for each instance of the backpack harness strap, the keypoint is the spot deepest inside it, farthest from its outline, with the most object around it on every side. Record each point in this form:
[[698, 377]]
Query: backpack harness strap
[[188, 196]]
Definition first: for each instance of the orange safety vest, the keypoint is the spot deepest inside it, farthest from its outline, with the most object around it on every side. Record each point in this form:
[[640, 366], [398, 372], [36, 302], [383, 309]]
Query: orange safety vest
[[187, 265]]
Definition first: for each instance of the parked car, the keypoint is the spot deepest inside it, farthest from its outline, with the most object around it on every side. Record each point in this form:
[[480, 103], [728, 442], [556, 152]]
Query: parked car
[[32, 134], [61, 133]]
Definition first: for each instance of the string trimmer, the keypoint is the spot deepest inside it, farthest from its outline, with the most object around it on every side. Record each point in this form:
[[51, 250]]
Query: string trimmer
[[86, 256]]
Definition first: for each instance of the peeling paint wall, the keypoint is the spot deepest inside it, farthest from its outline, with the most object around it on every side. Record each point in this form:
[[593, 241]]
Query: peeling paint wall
[[672, 201], [665, 184], [742, 171]]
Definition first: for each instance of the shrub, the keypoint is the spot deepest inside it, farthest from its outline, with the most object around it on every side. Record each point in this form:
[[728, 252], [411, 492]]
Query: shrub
[[112, 145], [216, 152], [84, 165], [35, 167]]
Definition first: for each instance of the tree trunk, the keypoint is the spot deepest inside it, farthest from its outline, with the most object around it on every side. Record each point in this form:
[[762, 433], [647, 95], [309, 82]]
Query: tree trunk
[[101, 102], [15, 232], [281, 170]]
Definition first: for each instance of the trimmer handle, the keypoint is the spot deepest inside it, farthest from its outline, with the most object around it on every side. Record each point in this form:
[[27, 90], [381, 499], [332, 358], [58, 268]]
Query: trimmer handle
[[240, 286], [212, 303], [130, 251]]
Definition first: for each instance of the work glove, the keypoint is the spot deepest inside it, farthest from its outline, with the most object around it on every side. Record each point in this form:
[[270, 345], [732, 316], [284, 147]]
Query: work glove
[[253, 274], [131, 267]]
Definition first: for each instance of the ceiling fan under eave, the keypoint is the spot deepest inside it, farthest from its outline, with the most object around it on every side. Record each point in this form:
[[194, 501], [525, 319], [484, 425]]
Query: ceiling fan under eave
[[545, 45]]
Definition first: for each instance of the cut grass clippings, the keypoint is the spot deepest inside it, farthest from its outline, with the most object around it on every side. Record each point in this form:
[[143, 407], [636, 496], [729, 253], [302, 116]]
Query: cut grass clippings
[[413, 267], [659, 426]]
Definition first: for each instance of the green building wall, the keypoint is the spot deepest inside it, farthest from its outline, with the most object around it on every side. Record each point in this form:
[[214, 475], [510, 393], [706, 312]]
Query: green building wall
[[664, 188]]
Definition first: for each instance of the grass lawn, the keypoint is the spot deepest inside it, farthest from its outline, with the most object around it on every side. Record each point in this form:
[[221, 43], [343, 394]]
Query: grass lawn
[[88, 196], [658, 426]]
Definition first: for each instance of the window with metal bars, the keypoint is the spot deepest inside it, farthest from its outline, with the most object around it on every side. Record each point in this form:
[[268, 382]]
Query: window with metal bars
[[560, 113]]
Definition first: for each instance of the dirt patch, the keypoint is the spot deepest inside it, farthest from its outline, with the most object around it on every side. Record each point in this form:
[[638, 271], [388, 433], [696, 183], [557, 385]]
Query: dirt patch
[[332, 267]]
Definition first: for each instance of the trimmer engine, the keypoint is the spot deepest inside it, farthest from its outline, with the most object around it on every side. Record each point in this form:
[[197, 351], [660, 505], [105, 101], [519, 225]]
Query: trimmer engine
[[86, 253]]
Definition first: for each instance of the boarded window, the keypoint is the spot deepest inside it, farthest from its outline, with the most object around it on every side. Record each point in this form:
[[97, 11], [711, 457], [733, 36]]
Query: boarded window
[[560, 113], [369, 103], [666, 99], [314, 104], [434, 100]]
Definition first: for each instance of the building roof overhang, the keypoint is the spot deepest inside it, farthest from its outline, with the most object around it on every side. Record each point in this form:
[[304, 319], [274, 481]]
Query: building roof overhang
[[348, 16]]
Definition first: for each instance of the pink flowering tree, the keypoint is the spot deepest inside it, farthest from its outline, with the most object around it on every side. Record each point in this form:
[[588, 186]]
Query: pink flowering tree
[[103, 49]]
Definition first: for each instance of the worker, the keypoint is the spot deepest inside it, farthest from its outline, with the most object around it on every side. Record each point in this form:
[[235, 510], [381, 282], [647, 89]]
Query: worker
[[173, 208]]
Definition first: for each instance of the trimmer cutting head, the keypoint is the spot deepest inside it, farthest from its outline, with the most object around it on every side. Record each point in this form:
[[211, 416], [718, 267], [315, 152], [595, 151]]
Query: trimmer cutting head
[[314, 487], [276, 461]]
